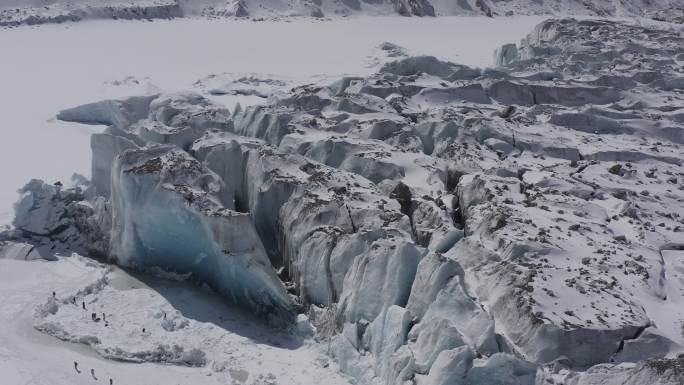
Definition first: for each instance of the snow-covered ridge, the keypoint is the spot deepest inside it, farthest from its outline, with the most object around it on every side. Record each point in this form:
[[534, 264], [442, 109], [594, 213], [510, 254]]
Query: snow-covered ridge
[[60, 12], [516, 225], [20, 12]]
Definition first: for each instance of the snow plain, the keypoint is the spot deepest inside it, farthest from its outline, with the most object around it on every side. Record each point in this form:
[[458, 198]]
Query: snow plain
[[48, 68], [240, 345]]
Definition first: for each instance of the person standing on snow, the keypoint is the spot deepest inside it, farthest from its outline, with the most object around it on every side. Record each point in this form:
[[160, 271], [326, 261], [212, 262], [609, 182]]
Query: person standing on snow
[[76, 367]]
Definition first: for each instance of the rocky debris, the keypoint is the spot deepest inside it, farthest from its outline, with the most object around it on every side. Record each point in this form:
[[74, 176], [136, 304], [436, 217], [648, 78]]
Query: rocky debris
[[508, 225]]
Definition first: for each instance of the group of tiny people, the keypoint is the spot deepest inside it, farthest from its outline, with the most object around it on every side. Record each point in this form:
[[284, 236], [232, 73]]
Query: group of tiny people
[[95, 318], [92, 373]]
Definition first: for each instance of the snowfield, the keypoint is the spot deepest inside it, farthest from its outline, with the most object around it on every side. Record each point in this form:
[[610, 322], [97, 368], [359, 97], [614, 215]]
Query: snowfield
[[240, 349], [363, 212]]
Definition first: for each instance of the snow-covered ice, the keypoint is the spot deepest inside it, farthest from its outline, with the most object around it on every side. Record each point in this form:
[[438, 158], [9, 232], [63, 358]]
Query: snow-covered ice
[[52, 67]]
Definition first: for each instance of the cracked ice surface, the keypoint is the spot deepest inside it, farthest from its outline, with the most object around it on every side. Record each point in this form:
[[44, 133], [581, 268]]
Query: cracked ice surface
[[37, 88]]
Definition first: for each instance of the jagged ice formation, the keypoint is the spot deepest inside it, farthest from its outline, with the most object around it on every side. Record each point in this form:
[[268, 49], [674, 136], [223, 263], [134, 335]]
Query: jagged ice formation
[[515, 225]]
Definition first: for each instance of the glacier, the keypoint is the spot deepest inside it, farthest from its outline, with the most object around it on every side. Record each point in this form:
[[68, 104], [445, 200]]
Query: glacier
[[435, 223]]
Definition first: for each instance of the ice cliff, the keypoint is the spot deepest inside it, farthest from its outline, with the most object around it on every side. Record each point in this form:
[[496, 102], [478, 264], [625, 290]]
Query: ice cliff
[[439, 224]]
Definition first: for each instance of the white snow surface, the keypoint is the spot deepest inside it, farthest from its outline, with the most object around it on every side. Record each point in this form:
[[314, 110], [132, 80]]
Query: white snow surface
[[52, 67], [235, 346]]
